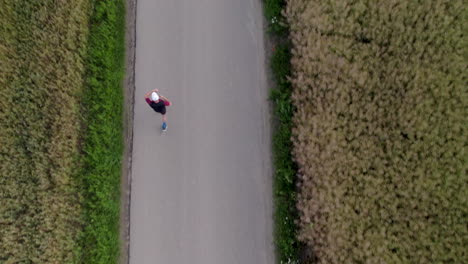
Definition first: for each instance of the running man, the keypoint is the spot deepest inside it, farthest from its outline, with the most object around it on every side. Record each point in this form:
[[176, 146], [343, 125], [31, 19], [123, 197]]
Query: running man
[[158, 103]]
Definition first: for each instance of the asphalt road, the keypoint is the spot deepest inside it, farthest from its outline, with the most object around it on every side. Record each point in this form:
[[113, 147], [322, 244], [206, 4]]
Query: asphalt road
[[201, 192]]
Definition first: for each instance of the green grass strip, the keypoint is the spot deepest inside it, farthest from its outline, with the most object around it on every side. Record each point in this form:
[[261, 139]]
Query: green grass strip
[[285, 169], [103, 144], [284, 193], [276, 21]]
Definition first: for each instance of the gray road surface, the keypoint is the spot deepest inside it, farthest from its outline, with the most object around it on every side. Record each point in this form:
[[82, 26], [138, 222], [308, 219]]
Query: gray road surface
[[201, 192]]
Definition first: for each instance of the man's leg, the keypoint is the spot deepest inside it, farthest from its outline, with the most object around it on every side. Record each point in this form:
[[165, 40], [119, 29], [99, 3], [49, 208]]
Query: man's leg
[[164, 125]]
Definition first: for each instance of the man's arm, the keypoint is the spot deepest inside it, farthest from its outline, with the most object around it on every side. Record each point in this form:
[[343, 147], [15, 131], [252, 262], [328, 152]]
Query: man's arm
[[165, 99]]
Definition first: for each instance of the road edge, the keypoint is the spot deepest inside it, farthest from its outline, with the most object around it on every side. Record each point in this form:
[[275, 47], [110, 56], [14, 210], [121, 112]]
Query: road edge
[[129, 102]]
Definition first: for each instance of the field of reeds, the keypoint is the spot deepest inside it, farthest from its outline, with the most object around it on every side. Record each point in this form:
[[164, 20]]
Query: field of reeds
[[42, 65], [51, 194], [379, 130]]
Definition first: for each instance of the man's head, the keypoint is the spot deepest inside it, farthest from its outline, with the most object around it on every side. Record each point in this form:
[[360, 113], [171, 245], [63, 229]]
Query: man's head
[[154, 96]]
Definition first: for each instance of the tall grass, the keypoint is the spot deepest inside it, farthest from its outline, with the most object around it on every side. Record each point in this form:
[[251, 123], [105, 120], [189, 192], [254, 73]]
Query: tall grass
[[42, 48], [61, 125], [103, 145], [380, 129]]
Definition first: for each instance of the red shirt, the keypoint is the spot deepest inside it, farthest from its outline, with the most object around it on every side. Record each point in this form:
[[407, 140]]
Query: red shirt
[[166, 103]]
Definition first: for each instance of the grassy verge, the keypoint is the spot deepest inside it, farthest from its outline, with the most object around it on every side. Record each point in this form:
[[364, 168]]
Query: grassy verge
[[285, 214], [276, 21], [103, 145], [285, 169]]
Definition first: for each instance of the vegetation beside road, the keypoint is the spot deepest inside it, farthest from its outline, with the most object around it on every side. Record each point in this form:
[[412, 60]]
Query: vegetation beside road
[[42, 50], [380, 129], [284, 190], [61, 130], [379, 114], [103, 140]]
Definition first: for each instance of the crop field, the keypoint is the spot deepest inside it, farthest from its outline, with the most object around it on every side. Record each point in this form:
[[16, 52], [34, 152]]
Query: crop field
[[379, 130], [60, 136], [42, 64]]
